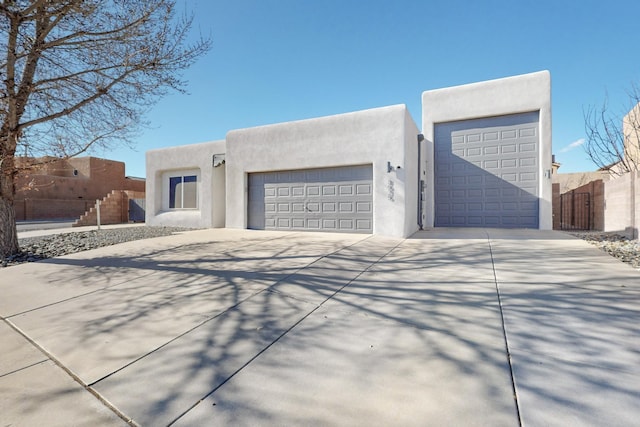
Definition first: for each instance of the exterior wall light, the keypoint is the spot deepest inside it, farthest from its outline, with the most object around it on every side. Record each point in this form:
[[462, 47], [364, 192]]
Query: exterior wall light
[[218, 160]]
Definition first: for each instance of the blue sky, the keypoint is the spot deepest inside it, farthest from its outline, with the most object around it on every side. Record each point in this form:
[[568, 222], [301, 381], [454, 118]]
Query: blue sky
[[283, 60]]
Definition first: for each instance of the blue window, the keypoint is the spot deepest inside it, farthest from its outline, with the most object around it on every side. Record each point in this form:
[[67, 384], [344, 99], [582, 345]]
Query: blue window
[[183, 192]]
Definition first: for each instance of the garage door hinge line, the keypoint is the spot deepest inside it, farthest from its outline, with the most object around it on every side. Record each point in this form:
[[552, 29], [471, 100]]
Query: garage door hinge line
[[504, 334], [293, 326]]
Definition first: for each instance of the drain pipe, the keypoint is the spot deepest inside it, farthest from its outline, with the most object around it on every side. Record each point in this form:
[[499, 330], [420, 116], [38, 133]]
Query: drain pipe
[[420, 182]]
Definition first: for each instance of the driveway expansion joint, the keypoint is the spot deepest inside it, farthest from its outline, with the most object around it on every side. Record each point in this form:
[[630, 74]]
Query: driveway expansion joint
[[71, 374], [504, 334], [279, 337]]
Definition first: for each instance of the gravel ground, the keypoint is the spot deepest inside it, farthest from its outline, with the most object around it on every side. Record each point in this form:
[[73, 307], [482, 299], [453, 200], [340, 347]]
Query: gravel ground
[[615, 244], [43, 247]]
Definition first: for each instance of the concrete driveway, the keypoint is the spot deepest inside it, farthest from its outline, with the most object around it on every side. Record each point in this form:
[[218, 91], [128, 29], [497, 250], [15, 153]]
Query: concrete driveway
[[238, 327]]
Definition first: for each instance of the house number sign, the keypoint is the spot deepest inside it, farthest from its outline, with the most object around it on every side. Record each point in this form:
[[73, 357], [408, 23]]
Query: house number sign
[[391, 191]]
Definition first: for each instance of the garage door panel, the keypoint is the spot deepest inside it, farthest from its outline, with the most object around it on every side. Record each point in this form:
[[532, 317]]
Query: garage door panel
[[328, 190], [528, 132], [328, 207], [491, 150], [313, 223], [331, 199], [475, 221], [490, 165], [487, 172], [509, 149], [509, 177], [475, 180], [458, 180], [364, 207], [346, 190], [528, 162], [329, 224], [528, 147], [364, 225], [508, 163], [283, 222], [528, 176], [364, 189], [346, 224], [491, 220], [509, 193], [346, 207]]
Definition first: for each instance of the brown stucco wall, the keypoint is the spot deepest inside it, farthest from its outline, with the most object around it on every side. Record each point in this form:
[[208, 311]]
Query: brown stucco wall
[[555, 201], [571, 181], [596, 197], [114, 209], [50, 188], [596, 213]]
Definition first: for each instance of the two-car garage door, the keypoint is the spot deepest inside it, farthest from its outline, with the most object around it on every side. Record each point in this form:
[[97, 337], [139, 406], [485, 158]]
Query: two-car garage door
[[487, 172], [328, 199]]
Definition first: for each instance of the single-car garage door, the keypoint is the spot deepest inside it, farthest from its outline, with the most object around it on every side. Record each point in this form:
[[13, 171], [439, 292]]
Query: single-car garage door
[[330, 199], [487, 172]]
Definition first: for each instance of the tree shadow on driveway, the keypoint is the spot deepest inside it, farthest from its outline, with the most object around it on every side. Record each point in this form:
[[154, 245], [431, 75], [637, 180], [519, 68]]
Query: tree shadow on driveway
[[311, 329]]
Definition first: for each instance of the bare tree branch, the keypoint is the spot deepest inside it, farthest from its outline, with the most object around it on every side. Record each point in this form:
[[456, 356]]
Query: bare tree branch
[[80, 74], [612, 141]]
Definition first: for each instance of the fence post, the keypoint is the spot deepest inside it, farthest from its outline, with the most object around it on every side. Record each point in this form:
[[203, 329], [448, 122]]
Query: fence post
[[98, 213], [634, 218]]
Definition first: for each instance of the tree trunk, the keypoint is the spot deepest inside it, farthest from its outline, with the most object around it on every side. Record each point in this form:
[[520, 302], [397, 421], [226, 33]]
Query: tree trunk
[[8, 232]]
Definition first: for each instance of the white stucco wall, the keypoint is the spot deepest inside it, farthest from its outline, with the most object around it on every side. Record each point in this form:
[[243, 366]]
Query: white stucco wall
[[375, 136], [191, 159], [511, 95]]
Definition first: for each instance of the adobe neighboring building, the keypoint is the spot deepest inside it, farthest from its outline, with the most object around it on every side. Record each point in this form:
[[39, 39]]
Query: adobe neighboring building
[[50, 188], [482, 159]]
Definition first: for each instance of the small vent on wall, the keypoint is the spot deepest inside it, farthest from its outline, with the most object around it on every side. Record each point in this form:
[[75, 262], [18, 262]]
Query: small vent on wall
[[75, 172]]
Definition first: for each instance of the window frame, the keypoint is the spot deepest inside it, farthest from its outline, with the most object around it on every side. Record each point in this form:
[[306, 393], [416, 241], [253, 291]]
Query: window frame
[[167, 179]]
